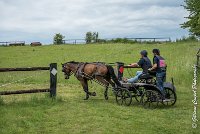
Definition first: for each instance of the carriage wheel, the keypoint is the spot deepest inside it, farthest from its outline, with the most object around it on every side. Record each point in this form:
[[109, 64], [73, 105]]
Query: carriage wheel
[[138, 94], [123, 97], [150, 98], [170, 97]]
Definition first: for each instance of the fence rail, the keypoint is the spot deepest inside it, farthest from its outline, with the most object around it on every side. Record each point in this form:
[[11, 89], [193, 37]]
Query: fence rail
[[12, 43], [24, 69], [154, 39], [74, 41], [53, 80], [24, 91], [83, 41]]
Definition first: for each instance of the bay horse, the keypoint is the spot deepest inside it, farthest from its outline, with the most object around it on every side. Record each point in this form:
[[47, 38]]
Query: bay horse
[[87, 71]]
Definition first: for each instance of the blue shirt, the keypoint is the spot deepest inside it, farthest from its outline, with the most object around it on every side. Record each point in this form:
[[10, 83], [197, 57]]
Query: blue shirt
[[145, 64]]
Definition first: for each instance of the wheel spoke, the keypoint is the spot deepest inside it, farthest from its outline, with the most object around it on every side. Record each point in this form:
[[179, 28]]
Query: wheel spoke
[[123, 96], [150, 99], [170, 96]]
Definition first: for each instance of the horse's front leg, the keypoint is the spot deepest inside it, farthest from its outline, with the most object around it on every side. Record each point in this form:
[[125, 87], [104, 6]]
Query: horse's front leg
[[85, 88], [84, 83]]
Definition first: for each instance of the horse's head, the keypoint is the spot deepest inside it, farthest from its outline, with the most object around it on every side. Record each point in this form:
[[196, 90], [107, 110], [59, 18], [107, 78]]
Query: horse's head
[[66, 69], [69, 68]]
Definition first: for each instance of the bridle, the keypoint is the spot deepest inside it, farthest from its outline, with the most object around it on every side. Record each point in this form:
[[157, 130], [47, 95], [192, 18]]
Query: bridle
[[67, 73]]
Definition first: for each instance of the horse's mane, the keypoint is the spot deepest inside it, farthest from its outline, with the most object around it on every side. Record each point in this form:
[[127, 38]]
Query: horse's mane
[[74, 62]]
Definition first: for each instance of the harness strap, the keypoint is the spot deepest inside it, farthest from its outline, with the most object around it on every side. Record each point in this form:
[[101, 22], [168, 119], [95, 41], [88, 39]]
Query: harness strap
[[79, 71]]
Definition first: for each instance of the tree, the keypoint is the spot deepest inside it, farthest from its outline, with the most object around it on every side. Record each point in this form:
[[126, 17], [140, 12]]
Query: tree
[[58, 39], [89, 37], [193, 22]]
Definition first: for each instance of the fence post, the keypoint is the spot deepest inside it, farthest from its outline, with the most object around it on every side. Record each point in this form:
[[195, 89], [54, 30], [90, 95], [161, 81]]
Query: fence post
[[53, 79]]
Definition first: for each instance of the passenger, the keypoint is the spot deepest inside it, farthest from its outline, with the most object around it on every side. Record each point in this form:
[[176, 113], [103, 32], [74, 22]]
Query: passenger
[[144, 63], [159, 66]]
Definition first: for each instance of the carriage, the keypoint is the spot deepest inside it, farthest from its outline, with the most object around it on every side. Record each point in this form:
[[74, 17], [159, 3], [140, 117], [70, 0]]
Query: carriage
[[144, 91]]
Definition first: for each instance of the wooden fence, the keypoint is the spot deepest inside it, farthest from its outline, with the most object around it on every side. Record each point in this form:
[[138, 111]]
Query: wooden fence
[[53, 80], [13, 43], [74, 41], [140, 40], [163, 39]]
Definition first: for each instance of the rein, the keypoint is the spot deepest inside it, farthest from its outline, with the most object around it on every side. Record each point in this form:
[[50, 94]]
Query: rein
[[70, 73], [95, 80], [130, 72]]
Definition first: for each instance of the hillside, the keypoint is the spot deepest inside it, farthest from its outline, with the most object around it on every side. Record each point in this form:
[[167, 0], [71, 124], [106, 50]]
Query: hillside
[[69, 113]]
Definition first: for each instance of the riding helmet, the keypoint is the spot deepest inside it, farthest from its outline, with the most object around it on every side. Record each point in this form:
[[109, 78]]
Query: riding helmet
[[144, 53]]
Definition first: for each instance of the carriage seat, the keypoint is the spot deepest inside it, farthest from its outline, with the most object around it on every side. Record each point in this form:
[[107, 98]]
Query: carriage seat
[[146, 76]]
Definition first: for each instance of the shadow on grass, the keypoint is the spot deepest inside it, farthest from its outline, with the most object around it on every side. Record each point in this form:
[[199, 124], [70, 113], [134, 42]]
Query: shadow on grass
[[46, 101], [1, 101], [112, 101]]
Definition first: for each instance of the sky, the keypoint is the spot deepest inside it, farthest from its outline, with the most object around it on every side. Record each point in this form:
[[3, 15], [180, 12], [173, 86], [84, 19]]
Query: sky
[[39, 20]]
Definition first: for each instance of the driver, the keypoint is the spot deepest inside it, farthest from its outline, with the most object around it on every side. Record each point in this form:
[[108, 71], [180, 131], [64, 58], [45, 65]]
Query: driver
[[143, 63]]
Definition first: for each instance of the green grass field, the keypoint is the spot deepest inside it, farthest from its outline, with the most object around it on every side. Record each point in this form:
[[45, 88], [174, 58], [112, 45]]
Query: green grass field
[[69, 113]]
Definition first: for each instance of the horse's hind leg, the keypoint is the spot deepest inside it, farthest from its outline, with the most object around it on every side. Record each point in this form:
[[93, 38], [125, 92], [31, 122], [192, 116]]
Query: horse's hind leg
[[85, 88], [106, 93], [111, 83]]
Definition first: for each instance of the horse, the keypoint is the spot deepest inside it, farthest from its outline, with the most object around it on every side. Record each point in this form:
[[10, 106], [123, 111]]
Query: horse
[[88, 71]]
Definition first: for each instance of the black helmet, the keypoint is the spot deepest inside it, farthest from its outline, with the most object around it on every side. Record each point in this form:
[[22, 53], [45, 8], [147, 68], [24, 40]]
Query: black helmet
[[157, 51], [144, 53]]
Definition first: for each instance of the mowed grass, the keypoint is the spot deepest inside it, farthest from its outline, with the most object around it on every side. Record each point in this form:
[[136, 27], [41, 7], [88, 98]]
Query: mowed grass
[[69, 113]]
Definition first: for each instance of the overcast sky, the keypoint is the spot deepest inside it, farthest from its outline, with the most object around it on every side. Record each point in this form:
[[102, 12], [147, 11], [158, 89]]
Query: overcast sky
[[39, 20]]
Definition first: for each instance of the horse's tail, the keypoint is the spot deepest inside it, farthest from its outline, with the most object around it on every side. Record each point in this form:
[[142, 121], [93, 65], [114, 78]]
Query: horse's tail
[[113, 76]]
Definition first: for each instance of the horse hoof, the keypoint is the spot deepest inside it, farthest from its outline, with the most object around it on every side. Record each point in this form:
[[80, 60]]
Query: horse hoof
[[106, 97], [94, 94], [87, 97]]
